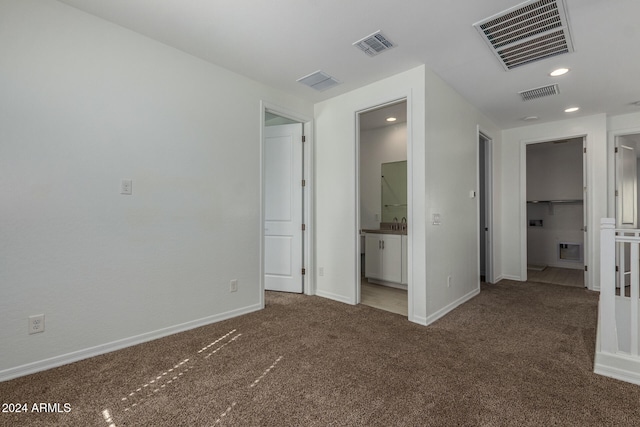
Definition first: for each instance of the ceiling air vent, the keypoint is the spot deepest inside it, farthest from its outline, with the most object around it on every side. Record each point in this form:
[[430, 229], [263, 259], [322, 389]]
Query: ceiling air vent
[[374, 44], [528, 32], [319, 81], [539, 92]]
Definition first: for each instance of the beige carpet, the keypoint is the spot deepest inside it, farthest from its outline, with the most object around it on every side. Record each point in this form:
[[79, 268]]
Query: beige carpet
[[519, 354]]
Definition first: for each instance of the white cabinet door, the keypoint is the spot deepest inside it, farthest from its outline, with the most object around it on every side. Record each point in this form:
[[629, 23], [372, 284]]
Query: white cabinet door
[[372, 255], [391, 260], [383, 257], [405, 269]]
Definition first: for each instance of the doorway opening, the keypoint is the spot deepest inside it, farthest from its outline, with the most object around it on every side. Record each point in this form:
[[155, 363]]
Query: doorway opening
[[384, 214], [556, 214], [286, 201], [485, 186]]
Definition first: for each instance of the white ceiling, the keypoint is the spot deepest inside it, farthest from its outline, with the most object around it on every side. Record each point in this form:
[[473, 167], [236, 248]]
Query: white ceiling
[[377, 117], [279, 41]]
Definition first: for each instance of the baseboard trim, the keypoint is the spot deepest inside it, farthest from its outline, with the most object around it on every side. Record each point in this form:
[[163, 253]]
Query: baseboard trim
[[497, 279], [75, 356], [420, 320], [508, 277], [619, 367], [438, 314], [332, 296]]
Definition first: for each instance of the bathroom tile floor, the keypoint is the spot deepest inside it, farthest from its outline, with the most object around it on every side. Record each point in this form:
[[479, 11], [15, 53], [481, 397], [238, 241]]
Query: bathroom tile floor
[[384, 297]]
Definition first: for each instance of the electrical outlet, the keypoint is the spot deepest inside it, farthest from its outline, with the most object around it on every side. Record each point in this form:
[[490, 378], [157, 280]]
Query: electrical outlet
[[126, 186], [36, 324], [233, 286], [321, 271]]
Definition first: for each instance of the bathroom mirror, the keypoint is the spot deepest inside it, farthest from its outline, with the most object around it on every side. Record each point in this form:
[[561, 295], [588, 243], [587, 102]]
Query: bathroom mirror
[[394, 191]]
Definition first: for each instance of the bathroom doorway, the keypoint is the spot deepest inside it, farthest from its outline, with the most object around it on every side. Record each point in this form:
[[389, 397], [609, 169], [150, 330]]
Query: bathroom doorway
[[383, 207]]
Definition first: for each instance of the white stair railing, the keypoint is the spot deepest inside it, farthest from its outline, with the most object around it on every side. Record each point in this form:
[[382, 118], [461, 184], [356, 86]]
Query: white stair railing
[[618, 352]]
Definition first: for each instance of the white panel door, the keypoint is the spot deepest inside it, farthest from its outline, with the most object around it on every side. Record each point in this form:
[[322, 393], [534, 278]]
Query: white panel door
[[283, 208], [391, 262]]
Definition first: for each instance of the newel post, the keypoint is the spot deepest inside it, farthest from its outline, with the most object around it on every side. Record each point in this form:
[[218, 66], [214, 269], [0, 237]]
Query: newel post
[[607, 315]]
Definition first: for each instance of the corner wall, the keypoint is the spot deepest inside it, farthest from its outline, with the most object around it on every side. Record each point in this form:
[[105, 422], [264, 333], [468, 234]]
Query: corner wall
[[443, 155], [83, 105], [336, 213], [452, 163]]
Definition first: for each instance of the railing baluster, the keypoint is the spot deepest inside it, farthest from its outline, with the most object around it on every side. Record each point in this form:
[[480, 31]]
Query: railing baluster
[[622, 267], [608, 330], [635, 259]]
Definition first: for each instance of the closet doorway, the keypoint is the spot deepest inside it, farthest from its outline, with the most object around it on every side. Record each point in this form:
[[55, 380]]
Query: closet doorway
[[556, 214], [383, 207]]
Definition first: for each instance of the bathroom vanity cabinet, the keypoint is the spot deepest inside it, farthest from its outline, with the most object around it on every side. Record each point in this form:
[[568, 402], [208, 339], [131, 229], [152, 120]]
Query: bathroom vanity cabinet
[[386, 257]]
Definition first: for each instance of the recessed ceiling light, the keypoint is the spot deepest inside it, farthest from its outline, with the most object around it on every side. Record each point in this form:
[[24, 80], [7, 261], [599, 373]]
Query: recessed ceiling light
[[529, 118], [559, 72], [571, 110], [391, 119]]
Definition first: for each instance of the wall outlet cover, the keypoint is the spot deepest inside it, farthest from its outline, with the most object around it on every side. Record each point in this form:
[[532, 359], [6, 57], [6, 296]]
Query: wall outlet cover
[[36, 324]]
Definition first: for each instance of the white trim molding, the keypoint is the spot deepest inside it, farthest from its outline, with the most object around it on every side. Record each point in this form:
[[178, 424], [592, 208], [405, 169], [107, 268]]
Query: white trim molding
[[75, 356]]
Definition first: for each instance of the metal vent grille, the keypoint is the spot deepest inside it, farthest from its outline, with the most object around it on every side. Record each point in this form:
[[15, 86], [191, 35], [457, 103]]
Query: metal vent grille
[[529, 32], [374, 44], [539, 92], [319, 81]]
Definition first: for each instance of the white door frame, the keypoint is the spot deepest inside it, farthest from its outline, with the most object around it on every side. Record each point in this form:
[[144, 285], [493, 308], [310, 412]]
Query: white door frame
[[410, 223], [308, 254], [488, 200], [589, 282]]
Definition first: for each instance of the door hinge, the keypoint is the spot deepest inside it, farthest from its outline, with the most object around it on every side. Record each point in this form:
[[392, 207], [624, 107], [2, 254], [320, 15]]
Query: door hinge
[[304, 138], [586, 268], [616, 193], [304, 182], [584, 150], [304, 271], [617, 269], [304, 227], [615, 150]]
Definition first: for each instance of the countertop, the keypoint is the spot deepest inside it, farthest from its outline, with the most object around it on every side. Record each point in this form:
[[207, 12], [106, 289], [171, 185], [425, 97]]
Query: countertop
[[384, 231]]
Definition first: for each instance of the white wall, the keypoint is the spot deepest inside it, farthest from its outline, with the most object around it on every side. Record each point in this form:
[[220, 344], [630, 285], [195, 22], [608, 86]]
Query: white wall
[[336, 200], [378, 146], [84, 104], [513, 245], [554, 171]]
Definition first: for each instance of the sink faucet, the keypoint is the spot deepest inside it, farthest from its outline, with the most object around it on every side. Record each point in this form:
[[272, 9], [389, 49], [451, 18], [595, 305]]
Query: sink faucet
[[404, 223], [395, 223]]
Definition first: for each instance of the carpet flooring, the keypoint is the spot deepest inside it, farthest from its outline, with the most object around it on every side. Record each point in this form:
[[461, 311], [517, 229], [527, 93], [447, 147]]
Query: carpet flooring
[[517, 354]]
